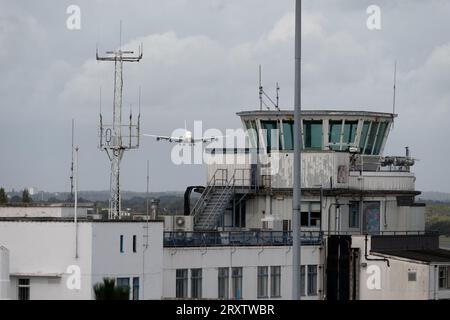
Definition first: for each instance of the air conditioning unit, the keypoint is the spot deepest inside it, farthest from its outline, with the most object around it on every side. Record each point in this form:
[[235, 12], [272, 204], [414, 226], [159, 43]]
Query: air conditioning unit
[[178, 223], [272, 223]]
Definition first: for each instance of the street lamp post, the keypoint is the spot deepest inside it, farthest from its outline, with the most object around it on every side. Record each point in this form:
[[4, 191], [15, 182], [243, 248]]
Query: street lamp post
[[297, 193]]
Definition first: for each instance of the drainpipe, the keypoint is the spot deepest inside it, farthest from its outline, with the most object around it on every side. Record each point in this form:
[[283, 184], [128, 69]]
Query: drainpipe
[[366, 255], [329, 215]]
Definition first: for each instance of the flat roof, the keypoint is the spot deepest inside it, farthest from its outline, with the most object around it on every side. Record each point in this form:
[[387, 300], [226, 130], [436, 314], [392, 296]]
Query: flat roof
[[426, 255], [70, 219], [341, 113], [46, 205]]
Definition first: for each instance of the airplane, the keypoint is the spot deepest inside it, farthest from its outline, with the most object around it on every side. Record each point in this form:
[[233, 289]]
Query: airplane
[[187, 138]]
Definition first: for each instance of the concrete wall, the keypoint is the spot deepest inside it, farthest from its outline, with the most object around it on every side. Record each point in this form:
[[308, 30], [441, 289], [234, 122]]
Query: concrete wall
[[382, 180], [210, 259], [145, 263], [394, 282], [4, 273], [317, 168], [43, 251], [392, 217], [41, 212]]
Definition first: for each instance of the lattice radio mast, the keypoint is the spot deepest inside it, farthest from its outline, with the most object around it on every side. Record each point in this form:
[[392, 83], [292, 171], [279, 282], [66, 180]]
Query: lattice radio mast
[[112, 139]]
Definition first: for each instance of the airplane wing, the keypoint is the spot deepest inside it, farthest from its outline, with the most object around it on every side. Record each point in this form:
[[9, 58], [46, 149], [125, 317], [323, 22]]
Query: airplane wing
[[208, 139], [170, 139]]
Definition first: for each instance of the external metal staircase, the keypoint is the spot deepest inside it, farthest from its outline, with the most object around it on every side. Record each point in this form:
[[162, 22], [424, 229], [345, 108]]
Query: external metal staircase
[[213, 201]]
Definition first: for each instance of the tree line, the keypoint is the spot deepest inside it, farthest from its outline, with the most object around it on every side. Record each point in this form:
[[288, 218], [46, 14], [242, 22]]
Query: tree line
[[26, 198]]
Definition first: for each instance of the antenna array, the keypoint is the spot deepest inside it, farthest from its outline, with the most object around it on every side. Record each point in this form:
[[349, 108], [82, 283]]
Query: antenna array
[[263, 94], [112, 139]]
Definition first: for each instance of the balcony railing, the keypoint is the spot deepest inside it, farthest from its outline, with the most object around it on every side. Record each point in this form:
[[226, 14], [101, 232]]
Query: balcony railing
[[239, 238]]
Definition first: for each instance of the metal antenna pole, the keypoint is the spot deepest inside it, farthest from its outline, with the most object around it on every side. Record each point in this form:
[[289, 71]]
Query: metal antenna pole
[[71, 166], [278, 97], [111, 138], [393, 98], [260, 90], [297, 193]]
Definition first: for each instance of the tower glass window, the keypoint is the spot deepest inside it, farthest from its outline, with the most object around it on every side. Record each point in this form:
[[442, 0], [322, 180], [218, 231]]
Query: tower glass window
[[253, 133], [349, 133], [271, 133], [380, 137], [288, 133], [371, 138], [363, 138], [335, 134], [312, 134]]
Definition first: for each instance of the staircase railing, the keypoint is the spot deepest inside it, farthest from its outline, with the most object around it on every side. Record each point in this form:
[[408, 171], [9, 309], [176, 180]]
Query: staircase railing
[[201, 202], [226, 192]]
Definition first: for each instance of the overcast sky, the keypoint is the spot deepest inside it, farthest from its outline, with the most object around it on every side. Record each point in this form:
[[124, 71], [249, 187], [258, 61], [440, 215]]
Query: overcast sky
[[200, 63]]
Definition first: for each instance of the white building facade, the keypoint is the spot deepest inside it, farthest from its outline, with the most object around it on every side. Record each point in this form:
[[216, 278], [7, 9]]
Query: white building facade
[[63, 260]]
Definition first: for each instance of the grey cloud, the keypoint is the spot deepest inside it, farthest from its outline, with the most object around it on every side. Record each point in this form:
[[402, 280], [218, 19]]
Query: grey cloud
[[200, 63]]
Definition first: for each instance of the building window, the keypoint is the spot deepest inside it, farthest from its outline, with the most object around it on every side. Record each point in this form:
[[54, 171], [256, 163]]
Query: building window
[[24, 289], [371, 217], [286, 225], [253, 133], [334, 134], [313, 134], [123, 283], [312, 280], [136, 288], [311, 218], [353, 212], [181, 283], [263, 282], [302, 281], [380, 137], [121, 243], [134, 243], [349, 133], [196, 283], [288, 134], [223, 283], [363, 138], [236, 277], [371, 138], [275, 281], [444, 279], [271, 132]]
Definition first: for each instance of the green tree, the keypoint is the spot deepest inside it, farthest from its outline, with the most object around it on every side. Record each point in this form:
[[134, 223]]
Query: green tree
[[26, 196], [3, 196], [107, 290]]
